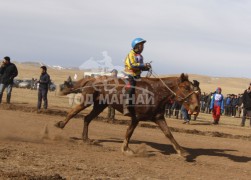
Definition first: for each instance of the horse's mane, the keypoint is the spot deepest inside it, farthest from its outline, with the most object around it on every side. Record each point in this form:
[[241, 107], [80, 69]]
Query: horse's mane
[[183, 77]]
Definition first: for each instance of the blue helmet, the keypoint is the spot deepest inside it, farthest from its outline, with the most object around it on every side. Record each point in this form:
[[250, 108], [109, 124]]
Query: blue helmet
[[137, 41]]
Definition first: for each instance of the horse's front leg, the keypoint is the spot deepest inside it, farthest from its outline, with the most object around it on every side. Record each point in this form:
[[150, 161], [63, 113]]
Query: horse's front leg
[[133, 124], [164, 127], [73, 112]]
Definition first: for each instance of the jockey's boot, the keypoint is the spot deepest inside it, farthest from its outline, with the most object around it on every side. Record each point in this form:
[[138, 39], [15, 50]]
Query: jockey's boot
[[125, 108]]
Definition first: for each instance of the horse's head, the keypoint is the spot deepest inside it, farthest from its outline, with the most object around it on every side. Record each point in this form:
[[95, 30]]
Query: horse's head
[[188, 93], [66, 87]]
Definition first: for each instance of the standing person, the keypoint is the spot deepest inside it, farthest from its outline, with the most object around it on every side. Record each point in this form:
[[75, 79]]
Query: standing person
[[234, 105], [208, 101], [8, 72], [239, 105], [217, 105], [134, 65], [111, 110], [246, 98], [185, 115], [176, 108], [168, 108], [202, 102], [231, 105], [43, 87], [228, 105]]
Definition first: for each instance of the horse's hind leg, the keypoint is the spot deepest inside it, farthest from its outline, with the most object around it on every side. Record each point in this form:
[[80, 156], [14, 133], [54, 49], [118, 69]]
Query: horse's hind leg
[[163, 126], [71, 114], [97, 109]]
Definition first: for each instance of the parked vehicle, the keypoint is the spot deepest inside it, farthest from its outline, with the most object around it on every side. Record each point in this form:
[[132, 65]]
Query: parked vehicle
[[25, 84], [31, 84], [16, 82]]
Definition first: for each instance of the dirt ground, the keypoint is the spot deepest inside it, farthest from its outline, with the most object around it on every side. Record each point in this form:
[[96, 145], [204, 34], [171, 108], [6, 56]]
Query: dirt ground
[[32, 148]]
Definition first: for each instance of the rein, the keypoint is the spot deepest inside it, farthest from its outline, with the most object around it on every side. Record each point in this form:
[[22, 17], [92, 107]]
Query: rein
[[182, 98], [156, 76]]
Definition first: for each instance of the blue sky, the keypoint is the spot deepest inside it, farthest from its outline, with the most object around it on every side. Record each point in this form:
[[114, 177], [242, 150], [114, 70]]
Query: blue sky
[[209, 37]]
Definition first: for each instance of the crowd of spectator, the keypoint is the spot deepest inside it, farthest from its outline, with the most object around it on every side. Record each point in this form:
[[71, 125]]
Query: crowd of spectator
[[232, 104], [177, 110]]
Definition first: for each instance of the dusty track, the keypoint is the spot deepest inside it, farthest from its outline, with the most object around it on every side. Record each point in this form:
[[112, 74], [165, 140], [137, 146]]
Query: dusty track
[[31, 148], [58, 112]]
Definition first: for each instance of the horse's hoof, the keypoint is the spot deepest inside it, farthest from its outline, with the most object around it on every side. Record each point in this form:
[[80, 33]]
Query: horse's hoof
[[60, 124], [183, 153], [127, 151]]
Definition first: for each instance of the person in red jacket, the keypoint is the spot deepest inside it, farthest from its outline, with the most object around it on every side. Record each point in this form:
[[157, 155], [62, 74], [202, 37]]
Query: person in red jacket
[[217, 105]]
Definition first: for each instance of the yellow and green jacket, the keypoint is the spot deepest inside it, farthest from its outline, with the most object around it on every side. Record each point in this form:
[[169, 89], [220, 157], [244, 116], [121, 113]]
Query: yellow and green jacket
[[134, 64]]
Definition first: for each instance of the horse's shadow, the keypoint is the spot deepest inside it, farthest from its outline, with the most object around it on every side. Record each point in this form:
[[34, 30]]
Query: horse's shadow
[[167, 149]]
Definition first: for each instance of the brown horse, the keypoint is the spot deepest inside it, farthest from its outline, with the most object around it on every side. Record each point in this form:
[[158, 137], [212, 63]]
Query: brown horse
[[151, 95]]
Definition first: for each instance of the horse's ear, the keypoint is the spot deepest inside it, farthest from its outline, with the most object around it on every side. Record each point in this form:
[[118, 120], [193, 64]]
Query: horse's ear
[[183, 77]]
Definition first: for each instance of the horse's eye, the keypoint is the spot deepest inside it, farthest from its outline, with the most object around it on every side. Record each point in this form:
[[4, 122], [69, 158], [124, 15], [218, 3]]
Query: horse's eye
[[187, 88]]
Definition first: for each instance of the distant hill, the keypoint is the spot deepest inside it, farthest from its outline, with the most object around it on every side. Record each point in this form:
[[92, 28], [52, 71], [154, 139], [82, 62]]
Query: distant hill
[[31, 63], [39, 64], [229, 85], [58, 74]]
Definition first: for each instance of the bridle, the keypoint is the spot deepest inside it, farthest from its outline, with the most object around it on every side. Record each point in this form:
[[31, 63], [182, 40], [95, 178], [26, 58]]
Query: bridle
[[184, 99]]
